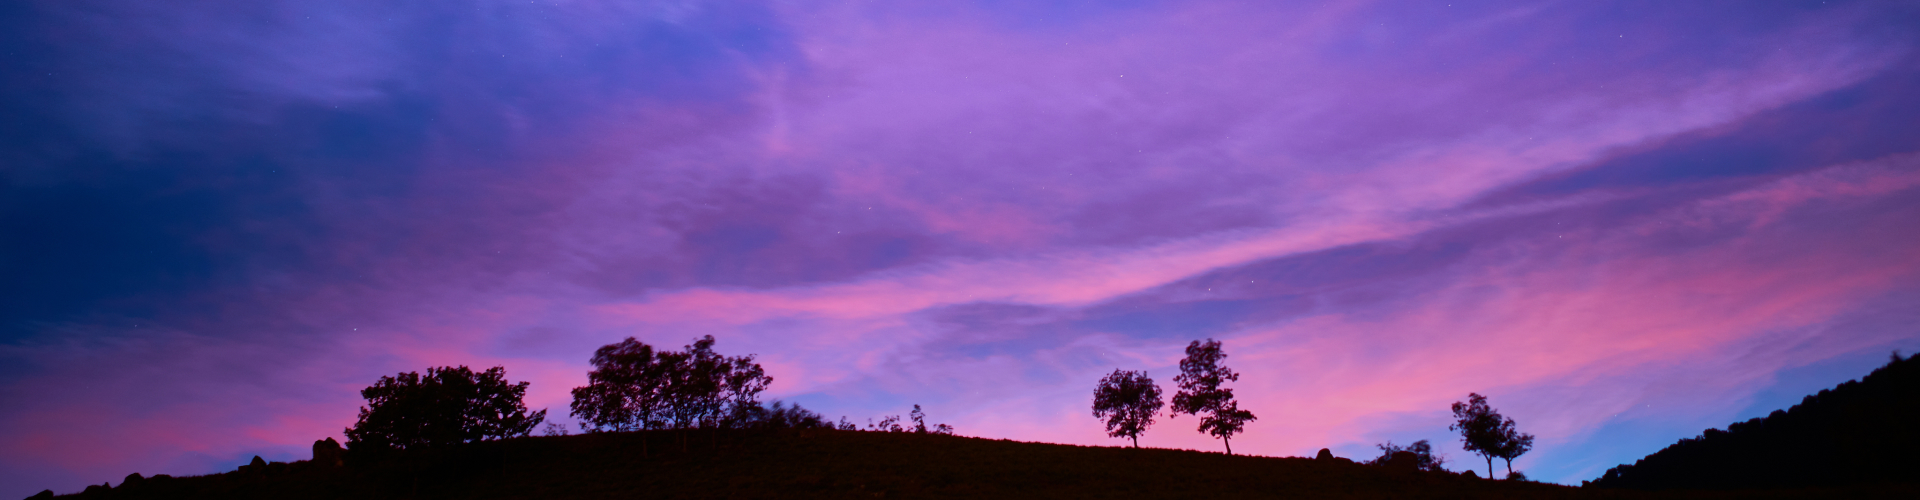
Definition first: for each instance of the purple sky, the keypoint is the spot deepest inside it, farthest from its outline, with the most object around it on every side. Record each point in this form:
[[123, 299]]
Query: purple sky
[[1625, 222]]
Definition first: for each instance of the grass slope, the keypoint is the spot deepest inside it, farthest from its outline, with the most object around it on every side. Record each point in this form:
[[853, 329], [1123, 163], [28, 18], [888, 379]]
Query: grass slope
[[835, 464]]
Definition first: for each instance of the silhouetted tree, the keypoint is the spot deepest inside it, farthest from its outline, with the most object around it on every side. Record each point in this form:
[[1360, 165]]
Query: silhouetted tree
[[1480, 428], [1200, 393], [743, 380], [919, 419], [449, 405], [920, 424], [1513, 444], [633, 387], [626, 391], [1128, 400], [1418, 456], [891, 423]]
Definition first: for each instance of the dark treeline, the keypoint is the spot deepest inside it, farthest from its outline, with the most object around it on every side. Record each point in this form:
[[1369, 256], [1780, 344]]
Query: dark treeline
[[1861, 432], [632, 387]]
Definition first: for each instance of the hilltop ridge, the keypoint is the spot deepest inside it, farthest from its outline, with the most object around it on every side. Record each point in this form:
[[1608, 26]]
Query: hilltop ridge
[[1861, 432], [826, 463], [820, 463]]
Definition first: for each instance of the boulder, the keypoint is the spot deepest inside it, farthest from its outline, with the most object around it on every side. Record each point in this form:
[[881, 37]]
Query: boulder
[[1469, 474], [257, 466], [1325, 454], [132, 480], [327, 453], [41, 494], [97, 489]]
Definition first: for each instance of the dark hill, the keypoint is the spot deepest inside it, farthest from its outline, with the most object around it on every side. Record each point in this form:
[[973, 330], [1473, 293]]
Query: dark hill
[[838, 464], [1859, 433]]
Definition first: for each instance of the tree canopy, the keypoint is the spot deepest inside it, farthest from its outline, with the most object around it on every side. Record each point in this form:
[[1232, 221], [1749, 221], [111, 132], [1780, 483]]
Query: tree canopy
[[449, 405], [1486, 433], [1200, 393], [1513, 444], [633, 386], [1128, 400]]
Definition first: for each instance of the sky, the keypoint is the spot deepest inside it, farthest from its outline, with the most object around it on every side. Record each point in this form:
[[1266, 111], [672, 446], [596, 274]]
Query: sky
[[1623, 222]]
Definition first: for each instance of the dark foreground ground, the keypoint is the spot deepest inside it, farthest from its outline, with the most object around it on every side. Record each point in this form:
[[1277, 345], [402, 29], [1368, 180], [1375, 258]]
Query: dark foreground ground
[[849, 464]]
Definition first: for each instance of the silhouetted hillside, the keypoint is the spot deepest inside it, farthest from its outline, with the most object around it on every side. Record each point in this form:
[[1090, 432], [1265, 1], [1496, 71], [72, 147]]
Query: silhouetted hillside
[[1862, 432], [820, 463]]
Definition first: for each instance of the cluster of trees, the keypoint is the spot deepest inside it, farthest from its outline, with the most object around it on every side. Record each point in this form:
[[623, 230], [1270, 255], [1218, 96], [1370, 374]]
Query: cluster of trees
[[1129, 401], [632, 386]]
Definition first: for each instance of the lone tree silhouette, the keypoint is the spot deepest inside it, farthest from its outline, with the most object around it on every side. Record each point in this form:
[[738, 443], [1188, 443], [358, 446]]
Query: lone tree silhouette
[[1484, 432], [1513, 444], [450, 405], [1200, 393], [1128, 400], [920, 423]]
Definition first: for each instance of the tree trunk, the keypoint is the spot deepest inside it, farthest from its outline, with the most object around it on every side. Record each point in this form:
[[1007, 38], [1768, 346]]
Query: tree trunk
[[1229, 442], [1509, 466], [1489, 466], [1136, 442]]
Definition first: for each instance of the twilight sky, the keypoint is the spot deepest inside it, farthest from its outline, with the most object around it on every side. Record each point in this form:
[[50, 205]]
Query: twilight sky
[[1624, 222]]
